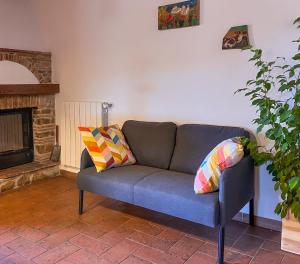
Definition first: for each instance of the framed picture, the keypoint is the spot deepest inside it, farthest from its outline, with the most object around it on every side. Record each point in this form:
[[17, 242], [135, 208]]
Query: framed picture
[[179, 15], [236, 38]]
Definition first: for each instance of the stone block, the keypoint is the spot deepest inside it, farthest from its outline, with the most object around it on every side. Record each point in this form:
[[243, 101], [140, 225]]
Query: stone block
[[7, 185]]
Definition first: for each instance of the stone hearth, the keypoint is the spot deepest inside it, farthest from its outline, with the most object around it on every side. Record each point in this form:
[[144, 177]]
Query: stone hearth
[[22, 175]]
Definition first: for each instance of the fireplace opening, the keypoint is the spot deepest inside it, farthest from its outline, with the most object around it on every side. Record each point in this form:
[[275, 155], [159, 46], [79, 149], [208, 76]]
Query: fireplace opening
[[16, 137]]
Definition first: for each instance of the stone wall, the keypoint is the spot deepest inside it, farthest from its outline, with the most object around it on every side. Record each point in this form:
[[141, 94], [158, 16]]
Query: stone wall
[[43, 120], [39, 63]]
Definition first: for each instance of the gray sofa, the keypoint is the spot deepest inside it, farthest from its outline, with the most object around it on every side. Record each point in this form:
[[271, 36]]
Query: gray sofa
[[162, 180]]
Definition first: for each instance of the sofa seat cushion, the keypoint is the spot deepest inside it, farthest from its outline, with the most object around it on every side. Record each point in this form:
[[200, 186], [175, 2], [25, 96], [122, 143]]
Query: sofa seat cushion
[[172, 193], [116, 183]]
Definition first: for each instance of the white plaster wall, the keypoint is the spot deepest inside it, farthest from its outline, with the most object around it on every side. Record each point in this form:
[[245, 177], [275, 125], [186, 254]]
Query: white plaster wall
[[14, 73], [19, 28], [112, 50]]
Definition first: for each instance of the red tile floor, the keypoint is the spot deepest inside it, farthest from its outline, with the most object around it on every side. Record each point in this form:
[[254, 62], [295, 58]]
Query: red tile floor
[[39, 224]]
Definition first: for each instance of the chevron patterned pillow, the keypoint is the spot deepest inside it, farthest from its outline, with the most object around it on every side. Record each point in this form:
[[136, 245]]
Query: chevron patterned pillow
[[225, 155], [107, 147]]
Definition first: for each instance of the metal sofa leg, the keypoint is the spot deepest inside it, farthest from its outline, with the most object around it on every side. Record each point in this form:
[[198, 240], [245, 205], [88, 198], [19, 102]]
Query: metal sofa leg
[[81, 202], [221, 245], [251, 212]]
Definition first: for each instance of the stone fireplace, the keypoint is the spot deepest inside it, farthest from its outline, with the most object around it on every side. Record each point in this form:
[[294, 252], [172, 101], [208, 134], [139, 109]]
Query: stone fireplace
[[27, 123], [43, 139]]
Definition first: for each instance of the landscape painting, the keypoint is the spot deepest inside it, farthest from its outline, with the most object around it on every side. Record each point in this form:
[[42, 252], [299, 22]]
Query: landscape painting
[[179, 15], [237, 38]]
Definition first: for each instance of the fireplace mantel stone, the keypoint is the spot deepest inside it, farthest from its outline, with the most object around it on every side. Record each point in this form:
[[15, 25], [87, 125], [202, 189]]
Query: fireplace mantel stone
[[29, 89]]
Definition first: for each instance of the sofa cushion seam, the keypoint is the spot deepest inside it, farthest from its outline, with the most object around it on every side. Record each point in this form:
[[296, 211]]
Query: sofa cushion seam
[[133, 185]]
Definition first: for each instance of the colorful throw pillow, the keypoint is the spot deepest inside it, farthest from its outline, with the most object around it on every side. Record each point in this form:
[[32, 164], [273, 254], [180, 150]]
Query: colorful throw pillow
[[107, 147], [225, 155]]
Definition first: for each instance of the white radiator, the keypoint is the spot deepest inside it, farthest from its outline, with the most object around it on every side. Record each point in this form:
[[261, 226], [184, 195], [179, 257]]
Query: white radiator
[[76, 114]]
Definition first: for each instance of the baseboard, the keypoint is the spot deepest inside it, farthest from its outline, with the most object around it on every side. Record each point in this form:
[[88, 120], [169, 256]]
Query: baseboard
[[260, 221], [241, 217], [68, 174]]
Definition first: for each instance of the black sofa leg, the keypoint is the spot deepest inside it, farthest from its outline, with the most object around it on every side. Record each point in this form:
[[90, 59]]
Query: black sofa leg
[[221, 245], [80, 202], [251, 212]]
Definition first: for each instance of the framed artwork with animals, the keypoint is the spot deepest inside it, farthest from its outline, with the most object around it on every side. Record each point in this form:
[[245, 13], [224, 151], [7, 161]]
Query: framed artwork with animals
[[236, 38], [179, 15]]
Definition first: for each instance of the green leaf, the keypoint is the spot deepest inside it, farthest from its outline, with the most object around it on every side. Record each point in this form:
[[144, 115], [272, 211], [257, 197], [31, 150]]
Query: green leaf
[[260, 73], [296, 57], [297, 66], [257, 101], [297, 21], [285, 147], [270, 167], [278, 208], [270, 134], [271, 63], [298, 193], [257, 55], [294, 182], [240, 90], [284, 188], [259, 63], [292, 73], [259, 82], [250, 82], [297, 97], [260, 128], [284, 116], [267, 85], [283, 87]]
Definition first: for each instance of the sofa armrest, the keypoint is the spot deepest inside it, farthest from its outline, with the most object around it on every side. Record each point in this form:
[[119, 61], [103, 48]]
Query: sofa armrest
[[236, 189], [86, 160]]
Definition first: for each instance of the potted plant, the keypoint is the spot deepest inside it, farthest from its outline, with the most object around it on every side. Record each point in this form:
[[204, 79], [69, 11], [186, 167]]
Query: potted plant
[[275, 92]]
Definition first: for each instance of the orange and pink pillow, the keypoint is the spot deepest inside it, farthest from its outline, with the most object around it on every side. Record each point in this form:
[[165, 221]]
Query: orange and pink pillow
[[225, 155]]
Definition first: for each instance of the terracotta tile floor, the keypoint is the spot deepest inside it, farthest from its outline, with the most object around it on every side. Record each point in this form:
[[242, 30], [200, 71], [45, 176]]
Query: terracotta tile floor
[[39, 224]]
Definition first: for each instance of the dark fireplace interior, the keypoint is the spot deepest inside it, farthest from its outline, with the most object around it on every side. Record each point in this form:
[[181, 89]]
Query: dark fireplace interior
[[16, 137]]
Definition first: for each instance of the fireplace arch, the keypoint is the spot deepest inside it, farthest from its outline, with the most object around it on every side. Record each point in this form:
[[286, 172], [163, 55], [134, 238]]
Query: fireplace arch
[[39, 63], [15, 73]]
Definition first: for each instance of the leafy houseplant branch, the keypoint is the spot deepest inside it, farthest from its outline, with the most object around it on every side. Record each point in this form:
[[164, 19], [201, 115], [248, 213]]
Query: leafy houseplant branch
[[280, 118]]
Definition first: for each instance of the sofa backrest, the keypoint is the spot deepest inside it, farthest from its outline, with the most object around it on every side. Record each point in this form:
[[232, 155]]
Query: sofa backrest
[[152, 143], [194, 142]]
